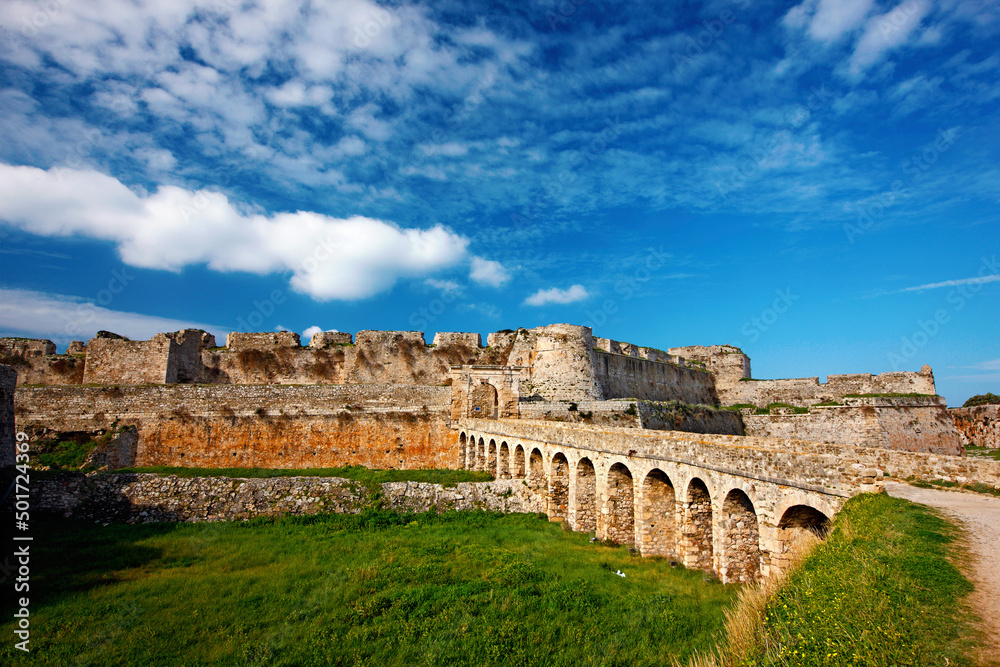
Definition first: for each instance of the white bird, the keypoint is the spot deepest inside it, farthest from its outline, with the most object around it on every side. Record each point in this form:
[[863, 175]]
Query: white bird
[[620, 574]]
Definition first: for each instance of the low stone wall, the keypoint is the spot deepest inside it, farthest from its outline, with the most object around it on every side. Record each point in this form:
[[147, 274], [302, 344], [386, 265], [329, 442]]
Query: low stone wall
[[602, 413], [142, 498], [979, 426], [916, 428], [674, 416]]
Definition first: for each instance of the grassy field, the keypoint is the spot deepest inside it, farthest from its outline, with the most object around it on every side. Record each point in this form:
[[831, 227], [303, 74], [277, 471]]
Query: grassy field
[[882, 590], [443, 477], [381, 588]]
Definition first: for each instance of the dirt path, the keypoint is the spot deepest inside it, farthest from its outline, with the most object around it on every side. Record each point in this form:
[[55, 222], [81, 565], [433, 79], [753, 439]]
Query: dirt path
[[980, 516]]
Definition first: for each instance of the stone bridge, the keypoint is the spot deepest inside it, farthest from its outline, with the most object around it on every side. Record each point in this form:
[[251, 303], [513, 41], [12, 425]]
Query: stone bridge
[[728, 504]]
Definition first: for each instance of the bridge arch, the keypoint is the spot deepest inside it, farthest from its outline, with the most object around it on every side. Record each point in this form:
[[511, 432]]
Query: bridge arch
[[740, 534], [491, 457], [481, 455], [518, 462], [658, 530], [463, 450], [503, 465], [585, 505], [558, 500], [619, 505], [696, 530], [536, 470]]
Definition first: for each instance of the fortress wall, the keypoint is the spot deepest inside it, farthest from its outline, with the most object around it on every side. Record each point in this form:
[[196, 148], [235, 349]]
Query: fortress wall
[[802, 392], [562, 363], [121, 361], [727, 363], [608, 413], [906, 428], [674, 416], [979, 425], [380, 426], [8, 381], [36, 362], [621, 376]]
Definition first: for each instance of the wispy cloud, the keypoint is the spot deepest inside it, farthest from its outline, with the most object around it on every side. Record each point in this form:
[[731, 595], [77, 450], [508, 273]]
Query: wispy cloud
[[979, 280], [555, 295], [63, 318]]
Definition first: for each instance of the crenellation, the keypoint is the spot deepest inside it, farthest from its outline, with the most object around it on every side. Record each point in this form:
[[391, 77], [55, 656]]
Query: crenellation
[[325, 339]]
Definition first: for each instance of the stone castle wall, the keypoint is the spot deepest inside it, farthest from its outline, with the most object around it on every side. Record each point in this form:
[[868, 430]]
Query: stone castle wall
[[803, 392], [36, 362], [379, 426], [915, 428], [621, 376], [979, 425]]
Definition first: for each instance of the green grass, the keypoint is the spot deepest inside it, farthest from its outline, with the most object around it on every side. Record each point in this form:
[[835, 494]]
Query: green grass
[[977, 487], [448, 478], [380, 589], [880, 591], [983, 452], [982, 399]]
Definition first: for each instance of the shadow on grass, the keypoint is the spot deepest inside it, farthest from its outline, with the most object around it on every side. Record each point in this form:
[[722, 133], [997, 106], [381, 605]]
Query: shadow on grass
[[69, 556]]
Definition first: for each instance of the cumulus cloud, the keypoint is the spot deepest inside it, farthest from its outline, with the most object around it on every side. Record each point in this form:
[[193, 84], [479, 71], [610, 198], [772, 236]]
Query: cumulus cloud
[[556, 295], [324, 257], [488, 272], [63, 318]]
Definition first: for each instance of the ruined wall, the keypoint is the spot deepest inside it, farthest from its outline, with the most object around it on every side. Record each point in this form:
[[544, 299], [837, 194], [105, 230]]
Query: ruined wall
[[873, 423], [677, 416], [36, 362], [379, 426], [621, 376], [8, 380], [802, 392], [145, 498], [596, 413], [979, 425], [398, 357], [121, 361]]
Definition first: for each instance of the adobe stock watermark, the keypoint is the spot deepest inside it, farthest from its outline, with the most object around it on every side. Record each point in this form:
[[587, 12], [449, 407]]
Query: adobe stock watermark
[[86, 313], [927, 329], [378, 20], [753, 163], [870, 211], [711, 32], [423, 317], [758, 325], [628, 286]]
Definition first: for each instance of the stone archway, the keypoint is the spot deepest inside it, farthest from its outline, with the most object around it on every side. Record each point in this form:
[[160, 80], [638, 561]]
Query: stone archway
[[620, 504], [586, 497], [558, 500], [799, 524], [463, 451], [484, 401], [696, 531], [518, 462], [740, 557], [659, 515], [503, 465]]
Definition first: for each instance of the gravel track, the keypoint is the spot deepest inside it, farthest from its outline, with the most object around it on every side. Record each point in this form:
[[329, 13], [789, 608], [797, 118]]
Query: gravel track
[[980, 516]]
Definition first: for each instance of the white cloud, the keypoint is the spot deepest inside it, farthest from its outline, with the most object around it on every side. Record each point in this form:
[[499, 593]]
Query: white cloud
[[64, 318], [488, 272], [447, 286], [955, 283], [835, 18], [556, 295], [328, 258], [313, 330], [886, 32]]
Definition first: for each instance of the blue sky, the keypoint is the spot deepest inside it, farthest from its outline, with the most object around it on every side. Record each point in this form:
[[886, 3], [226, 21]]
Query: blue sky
[[815, 182]]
